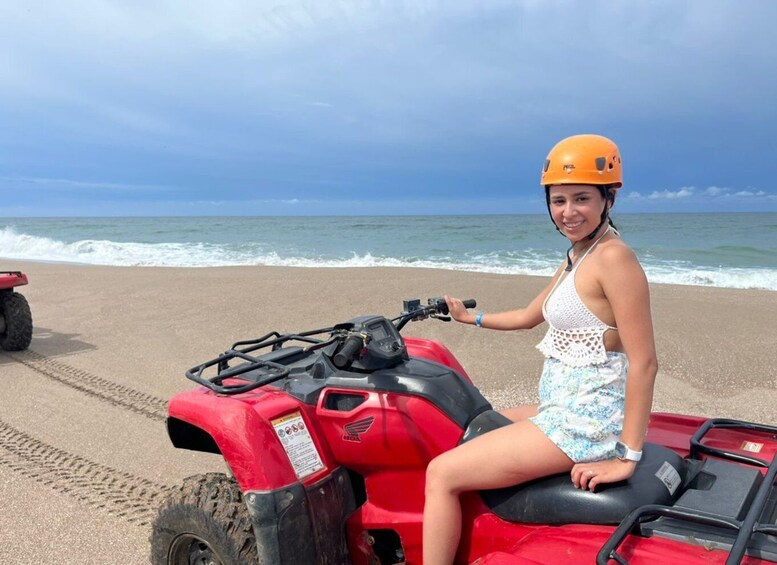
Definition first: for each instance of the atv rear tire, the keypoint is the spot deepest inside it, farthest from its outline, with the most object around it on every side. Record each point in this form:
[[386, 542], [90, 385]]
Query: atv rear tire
[[204, 522], [15, 321]]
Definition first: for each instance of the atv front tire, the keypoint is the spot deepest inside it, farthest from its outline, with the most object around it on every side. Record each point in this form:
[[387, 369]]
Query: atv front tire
[[15, 321], [204, 522]]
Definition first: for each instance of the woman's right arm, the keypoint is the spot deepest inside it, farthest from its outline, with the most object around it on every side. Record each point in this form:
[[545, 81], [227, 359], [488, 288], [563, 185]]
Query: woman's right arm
[[523, 319]]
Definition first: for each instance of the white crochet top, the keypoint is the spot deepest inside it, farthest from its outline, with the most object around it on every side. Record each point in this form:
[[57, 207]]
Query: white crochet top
[[575, 335]]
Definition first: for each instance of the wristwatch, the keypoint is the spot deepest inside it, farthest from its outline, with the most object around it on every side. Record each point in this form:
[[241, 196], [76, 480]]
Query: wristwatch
[[625, 453]]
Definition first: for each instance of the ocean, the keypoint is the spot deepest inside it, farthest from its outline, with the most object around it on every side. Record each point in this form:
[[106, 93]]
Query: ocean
[[734, 250]]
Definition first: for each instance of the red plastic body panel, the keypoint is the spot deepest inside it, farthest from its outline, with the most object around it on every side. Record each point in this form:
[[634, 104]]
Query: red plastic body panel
[[675, 430], [389, 438], [10, 279], [434, 351], [242, 428]]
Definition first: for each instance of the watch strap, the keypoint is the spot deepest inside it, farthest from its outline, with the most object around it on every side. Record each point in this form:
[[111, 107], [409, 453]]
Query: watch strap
[[625, 453]]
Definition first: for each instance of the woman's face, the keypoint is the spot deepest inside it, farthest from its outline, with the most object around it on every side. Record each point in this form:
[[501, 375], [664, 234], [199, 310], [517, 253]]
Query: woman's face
[[576, 209]]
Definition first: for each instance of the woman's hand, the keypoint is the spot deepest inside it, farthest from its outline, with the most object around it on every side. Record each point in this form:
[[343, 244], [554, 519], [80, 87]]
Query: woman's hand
[[589, 475], [457, 310]]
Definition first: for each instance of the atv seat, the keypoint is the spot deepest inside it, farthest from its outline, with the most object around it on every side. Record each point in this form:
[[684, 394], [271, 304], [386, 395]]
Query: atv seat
[[658, 479]]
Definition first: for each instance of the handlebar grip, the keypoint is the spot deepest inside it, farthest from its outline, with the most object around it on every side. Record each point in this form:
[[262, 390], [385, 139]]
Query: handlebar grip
[[353, 344], [471, 303]]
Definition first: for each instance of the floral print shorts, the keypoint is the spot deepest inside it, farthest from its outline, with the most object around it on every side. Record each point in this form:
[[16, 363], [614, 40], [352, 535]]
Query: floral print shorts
[[581, 408]]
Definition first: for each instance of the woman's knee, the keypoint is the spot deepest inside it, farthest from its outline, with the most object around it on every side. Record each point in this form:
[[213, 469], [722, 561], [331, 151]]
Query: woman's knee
[[439, 475]]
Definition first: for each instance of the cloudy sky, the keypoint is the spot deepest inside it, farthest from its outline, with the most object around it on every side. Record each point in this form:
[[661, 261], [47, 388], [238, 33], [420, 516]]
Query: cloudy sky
[[375, 107]]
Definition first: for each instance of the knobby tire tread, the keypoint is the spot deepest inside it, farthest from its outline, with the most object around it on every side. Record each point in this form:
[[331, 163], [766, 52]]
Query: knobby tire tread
[[18, 321], [212, 502]]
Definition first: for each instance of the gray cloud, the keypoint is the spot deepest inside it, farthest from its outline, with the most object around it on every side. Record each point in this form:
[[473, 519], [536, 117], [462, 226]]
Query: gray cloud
[[428, 97]]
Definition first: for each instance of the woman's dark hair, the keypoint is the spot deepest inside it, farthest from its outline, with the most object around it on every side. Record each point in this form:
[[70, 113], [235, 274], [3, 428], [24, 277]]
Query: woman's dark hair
[[608, 193]]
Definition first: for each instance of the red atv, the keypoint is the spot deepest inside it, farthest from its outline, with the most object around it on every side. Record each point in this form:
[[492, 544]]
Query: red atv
[[327, 434], [15, 316]]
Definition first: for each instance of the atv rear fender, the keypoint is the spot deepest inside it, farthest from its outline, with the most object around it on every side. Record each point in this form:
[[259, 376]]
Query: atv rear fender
[[676, 430], [10, 279]]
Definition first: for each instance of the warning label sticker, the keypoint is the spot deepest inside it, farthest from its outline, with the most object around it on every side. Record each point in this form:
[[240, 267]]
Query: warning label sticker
[[669, 476], [299, 446], [751, 446]]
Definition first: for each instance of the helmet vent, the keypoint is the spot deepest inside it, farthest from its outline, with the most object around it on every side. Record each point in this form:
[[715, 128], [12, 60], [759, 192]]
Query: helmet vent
[[547, 164], [600, 162]]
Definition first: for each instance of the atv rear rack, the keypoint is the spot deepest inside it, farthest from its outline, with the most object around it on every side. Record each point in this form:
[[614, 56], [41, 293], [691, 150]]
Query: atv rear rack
[[746, 528]]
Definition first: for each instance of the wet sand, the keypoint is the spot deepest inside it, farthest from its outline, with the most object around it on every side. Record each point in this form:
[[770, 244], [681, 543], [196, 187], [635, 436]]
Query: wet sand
[[84, 454]]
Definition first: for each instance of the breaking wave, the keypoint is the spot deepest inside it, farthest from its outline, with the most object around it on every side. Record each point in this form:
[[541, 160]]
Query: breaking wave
[[22, 246]]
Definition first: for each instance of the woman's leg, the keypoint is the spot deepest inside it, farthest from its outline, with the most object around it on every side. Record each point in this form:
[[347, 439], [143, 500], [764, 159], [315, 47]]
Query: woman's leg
[[520, 412], [506, 456]]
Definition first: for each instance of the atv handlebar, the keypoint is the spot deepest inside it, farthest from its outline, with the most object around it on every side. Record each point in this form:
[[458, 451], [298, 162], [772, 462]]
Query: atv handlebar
[[370, 343], [345, 354], [435, 308]]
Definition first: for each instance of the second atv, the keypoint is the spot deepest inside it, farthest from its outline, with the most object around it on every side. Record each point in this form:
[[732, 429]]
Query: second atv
[[15, 315]]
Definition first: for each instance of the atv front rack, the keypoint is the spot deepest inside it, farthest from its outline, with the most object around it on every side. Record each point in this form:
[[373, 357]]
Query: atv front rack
[[746, 528], [374, 340], [254, 371]]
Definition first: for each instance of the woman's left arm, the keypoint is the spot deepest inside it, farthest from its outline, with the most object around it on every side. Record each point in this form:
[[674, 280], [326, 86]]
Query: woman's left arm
[[626, 289]]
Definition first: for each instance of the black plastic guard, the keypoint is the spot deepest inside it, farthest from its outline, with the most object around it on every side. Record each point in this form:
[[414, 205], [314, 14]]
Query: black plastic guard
[[555, 500], [331, 502], [294, 525]]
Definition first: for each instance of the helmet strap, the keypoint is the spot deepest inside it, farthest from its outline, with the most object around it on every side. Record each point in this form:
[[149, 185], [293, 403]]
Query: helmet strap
[[568, 268], [547, 202], [570, 265], [606, 212], [592, 235]]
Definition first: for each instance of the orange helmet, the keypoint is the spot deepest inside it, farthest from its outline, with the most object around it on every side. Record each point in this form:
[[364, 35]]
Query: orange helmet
[[583, 159]]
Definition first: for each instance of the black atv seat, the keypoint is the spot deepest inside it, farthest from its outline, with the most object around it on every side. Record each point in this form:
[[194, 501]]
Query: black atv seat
[[555, 500]]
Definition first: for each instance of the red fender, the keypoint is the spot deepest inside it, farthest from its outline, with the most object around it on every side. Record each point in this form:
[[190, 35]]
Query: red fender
[[434, 351], [242, 428], [10, 279]]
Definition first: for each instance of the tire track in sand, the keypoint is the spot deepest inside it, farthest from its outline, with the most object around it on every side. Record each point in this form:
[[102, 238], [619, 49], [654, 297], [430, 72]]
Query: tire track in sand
[[147, 405], [121, 494]]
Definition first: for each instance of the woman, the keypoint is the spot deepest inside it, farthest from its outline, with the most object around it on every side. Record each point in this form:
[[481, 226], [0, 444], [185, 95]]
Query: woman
[[596, 387]]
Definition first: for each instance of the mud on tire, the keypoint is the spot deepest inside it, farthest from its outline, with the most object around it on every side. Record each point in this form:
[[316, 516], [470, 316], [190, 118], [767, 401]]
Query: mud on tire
[[15, 312], [204, 521]]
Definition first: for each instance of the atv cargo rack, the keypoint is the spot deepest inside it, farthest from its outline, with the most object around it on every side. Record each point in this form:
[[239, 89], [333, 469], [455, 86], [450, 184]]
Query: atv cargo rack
[[750, 525]]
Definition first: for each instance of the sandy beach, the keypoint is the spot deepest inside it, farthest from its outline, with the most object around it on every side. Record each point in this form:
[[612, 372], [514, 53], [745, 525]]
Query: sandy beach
[[84, 455]]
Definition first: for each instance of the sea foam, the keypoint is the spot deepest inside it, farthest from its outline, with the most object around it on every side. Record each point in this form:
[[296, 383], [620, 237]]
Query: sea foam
[[23, 246]]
